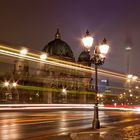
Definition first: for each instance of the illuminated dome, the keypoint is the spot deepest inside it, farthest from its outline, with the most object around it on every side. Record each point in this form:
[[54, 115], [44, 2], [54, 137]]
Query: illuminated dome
[[84, 58], [59, 49]]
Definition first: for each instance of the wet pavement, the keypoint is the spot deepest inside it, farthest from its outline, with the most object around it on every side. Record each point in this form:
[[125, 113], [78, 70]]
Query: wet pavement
[[121, 131], [127, 131], [68, 125]]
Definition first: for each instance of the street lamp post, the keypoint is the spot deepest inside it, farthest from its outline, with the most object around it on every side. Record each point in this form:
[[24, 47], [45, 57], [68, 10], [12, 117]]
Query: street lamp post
[[97, 59]]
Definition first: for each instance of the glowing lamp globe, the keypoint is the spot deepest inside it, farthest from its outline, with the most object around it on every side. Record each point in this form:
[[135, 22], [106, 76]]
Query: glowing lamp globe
[[87, 41], [104, 47]]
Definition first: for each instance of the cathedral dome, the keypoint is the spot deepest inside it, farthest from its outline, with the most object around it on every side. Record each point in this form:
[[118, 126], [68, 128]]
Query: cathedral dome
[[59, 49], [84, 58]]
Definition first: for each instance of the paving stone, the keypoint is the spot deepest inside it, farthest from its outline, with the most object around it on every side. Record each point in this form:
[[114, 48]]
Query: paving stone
[[126, 133]]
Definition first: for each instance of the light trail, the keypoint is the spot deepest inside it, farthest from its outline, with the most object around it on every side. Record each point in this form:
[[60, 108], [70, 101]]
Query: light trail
[[66, 106], [60, 63], [38, 60]]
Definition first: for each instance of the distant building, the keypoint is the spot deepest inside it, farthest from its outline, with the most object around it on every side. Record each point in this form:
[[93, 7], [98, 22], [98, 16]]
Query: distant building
[[103, 85]]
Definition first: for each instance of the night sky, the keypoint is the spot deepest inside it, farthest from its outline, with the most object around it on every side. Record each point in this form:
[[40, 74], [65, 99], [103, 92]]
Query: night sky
[[33, 23]]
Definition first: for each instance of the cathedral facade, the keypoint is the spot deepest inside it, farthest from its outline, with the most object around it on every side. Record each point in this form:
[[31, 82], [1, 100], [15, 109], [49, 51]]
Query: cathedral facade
[[45, 83]]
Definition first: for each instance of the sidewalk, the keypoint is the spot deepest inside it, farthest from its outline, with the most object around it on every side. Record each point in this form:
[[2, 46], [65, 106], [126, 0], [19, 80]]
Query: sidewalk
[[129, 132]]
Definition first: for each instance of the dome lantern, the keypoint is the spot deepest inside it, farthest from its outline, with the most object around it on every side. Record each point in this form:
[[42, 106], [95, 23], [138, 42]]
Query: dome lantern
[[57, 35]]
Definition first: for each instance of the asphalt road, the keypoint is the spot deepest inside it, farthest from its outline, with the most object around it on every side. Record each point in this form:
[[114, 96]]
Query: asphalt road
[[31, 124]]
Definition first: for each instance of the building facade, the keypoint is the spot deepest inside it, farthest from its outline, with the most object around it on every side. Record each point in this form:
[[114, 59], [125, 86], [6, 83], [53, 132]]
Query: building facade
[[45, 83]]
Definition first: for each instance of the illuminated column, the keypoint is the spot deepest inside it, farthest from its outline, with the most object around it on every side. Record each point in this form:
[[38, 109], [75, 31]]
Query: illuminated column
[[84, 99], [49, 97]]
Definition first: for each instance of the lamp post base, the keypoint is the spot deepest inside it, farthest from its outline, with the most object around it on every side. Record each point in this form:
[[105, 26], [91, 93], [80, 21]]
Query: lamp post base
[[96, 122]]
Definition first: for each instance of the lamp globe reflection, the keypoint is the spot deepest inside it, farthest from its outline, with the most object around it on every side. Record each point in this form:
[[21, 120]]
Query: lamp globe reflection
[[97, 59]]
